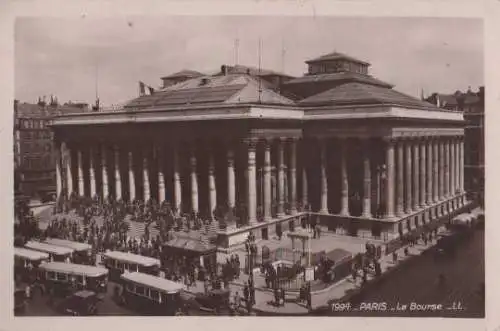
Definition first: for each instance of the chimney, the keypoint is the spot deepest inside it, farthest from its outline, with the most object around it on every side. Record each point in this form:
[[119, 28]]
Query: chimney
[[223, 69]]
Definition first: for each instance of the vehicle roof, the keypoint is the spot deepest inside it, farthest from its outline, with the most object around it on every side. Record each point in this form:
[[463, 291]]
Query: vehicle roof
[[30, 254], [157, 283], [84, 294], [133, 258], [77, 269], [48, 248], [77, 246]]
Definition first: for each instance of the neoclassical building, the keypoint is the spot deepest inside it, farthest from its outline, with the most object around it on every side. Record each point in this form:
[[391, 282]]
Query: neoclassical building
[[336, 143]]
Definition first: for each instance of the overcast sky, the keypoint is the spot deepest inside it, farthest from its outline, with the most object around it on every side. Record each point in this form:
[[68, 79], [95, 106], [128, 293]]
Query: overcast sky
[[60, 56]]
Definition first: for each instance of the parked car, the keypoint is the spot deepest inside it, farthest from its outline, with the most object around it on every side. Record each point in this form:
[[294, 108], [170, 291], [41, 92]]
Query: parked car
[[81, 303]]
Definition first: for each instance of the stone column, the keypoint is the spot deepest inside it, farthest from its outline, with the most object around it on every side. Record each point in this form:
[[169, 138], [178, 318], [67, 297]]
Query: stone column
[[177, 180], [416, 175], [231, 182], [194, 180], [400, 179], [212, 191], [324, 181], [281, 179], [292, 182], [105, 187], [267, 180], [252, 178], [305, 198], [461, 143], [344, 179], [145, 176], [436, 172], [408, 179], [452, 167], [161, 174], [69, 173], [81, 186], [423, 173], [59, 185], [429, 171], [441, 170], [367, 181], [118, 176], [390, 182], [93, 190], [131, 177], [447, 168]]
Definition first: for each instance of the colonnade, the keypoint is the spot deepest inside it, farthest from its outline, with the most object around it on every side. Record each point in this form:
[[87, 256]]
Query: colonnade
[[418, 172]]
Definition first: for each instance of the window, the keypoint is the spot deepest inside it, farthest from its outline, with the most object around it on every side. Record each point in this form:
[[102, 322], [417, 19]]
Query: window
[[61, 276], [119, 265], [155, 295], [79, 279], [51, 275], [132, 267], [140, 290], [130, 287]]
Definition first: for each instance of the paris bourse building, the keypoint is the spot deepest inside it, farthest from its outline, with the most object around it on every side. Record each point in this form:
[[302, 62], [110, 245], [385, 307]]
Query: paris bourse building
[[336, 142]]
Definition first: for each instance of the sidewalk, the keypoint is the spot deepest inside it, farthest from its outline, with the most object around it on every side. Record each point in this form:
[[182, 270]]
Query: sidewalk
[[341, 290]]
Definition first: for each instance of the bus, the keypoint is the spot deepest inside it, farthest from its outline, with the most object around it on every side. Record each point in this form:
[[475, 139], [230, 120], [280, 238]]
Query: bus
[[82, 252], [56, 253], [151, 295], [119, 262], [26, 263], [67, 277]]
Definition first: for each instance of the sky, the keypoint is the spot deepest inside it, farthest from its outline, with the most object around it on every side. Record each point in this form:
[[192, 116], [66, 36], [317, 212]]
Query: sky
[[73, 58]]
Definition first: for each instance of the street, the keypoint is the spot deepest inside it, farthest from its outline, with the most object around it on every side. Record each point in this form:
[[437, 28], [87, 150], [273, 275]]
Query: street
[[416, 286]]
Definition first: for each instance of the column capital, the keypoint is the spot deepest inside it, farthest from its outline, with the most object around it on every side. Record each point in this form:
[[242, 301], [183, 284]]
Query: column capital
[[251, 142]]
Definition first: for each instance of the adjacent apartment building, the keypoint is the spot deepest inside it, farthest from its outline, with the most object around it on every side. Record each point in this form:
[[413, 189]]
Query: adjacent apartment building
[[472, 104], [34, 159]]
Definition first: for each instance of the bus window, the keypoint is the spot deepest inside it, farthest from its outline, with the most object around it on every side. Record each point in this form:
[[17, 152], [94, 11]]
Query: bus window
[[51, 275], [133, 267], [119, 265], [139, 290], [155, 295], [79, 279], [61, 276], [130, 287], [147, 292]]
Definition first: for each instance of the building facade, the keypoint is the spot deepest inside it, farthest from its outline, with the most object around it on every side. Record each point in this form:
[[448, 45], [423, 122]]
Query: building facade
[[472, 105], [336, 143], [34, 158]]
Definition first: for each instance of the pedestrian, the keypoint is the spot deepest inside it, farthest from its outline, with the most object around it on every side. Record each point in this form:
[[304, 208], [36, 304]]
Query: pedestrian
[[318, 230], [406, 251], [246, 293], [237, 300], [394, 257], [276, 296], [354, 274], [282, 296]]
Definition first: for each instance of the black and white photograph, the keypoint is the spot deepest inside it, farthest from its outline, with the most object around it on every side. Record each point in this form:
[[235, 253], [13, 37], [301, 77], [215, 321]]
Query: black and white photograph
[[248, 166]]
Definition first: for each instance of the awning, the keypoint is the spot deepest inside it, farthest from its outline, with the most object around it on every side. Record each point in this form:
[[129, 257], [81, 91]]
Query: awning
[[190, 244], [462, 218]]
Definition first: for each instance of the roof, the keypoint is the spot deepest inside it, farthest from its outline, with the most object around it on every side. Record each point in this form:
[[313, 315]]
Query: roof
[[30, 110], [356, 93], [338, 77], [75, 269], [68, 243], [338, 254], [158, 283], [190, 244], [51, 249], [336, 56], [133, 258], [252, 71], [30, 254], [225, 89], [84, 294], [184, 73]]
